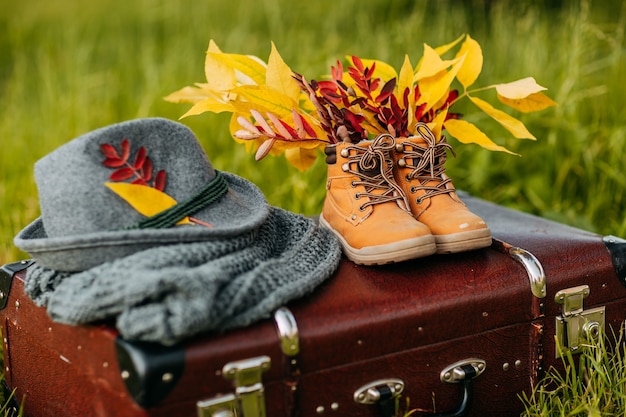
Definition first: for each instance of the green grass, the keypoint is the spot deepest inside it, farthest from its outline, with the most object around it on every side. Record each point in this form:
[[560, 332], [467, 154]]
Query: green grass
[[69, 66], [592, 384]]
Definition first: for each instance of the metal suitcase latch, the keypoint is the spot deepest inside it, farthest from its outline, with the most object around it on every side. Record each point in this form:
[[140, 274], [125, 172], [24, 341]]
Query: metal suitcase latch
[[248, 399], [576, 325]]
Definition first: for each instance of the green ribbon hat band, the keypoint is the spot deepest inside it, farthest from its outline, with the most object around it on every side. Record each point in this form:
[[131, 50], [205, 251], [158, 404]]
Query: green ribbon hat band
[[212, 192]]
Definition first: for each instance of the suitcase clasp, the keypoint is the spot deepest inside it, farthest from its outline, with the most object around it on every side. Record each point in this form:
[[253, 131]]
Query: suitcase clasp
[[576, 325], [249, 397]]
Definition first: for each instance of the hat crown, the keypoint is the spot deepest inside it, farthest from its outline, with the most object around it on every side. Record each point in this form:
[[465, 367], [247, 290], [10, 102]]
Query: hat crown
[[71, 180]]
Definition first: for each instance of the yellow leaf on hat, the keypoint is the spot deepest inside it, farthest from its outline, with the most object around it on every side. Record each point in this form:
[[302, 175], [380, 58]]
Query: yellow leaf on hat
[[146, 200]]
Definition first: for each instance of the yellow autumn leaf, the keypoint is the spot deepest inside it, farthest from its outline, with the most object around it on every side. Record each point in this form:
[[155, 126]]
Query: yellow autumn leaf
[[146, 200], [510, 123], [531, 103], [432, 64], [519, 89], [405, 79], [465, 132], [473, 63], [187, 95], [214, 105], [445, 48], [279, 76], [301, 158], [263, 99], [219, 76], [248, 69], [434, 88]]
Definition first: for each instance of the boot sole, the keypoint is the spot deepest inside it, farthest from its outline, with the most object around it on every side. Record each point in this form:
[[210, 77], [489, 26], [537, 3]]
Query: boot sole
[[402, 250], [463, 241]]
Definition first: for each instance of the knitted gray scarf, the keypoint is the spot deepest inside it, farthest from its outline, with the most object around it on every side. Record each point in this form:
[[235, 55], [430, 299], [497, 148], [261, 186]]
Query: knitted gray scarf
[[169, 293]]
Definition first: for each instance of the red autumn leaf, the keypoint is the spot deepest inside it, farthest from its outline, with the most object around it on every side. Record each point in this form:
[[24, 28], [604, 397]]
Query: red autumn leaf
[[139, 181], [122, 174], [373, 85], [358, 63], [386, 91], [159, 180], [125, 147], [369, 72], [405, 97], [113, 162], [146, 169], [290, 129], [337, 73], [140, 158], [109, 151], [307, 127]]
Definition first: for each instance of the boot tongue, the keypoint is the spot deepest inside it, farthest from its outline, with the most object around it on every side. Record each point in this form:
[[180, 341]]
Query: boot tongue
[[372, 172]]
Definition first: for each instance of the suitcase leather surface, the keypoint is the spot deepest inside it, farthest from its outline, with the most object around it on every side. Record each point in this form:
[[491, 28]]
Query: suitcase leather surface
[[405, 321]]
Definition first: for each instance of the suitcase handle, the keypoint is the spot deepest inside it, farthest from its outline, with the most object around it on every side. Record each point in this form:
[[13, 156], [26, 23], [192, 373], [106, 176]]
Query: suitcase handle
[[382, 392]]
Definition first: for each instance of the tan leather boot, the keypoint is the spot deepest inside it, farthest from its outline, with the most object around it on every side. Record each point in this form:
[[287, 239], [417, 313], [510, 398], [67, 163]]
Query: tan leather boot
[[366, 209], [420, 171]]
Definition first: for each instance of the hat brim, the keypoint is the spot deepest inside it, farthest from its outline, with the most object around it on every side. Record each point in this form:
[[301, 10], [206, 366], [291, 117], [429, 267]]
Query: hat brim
[[244, 208]]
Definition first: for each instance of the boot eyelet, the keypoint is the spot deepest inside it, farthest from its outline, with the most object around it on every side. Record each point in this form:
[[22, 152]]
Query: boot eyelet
[[345, 167], [401, 163], [353, 184], [344, 152], [412, 190], [357, 196], [361, 208], [407, 178]]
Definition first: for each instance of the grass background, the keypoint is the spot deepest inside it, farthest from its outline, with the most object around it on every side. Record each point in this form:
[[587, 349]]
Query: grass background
[[69, 66]]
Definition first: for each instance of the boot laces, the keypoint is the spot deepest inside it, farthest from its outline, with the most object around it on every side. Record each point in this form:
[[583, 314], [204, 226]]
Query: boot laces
[[428, 166], [375, 171]]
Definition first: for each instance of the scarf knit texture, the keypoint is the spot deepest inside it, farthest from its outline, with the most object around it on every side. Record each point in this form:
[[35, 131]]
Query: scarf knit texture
[[169, 293]]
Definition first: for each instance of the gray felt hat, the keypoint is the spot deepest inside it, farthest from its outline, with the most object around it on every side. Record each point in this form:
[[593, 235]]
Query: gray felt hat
[[84, 223]]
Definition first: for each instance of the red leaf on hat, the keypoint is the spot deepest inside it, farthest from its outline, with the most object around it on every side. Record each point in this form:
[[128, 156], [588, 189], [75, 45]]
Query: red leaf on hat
[[109, 151], [113, 162], [140, 158], [139, 181], [125, 147], [159, 180], [146, 169], [122, 174]]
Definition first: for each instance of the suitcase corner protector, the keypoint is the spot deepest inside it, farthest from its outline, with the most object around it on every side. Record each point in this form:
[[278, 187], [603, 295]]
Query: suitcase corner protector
[[7, 272]]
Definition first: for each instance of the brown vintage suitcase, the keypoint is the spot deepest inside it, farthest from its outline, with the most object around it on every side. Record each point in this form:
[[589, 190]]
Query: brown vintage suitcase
[[459, 334]]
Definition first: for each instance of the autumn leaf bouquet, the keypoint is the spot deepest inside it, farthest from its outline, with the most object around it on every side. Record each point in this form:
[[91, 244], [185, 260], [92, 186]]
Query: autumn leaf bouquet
[[276, 110]]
